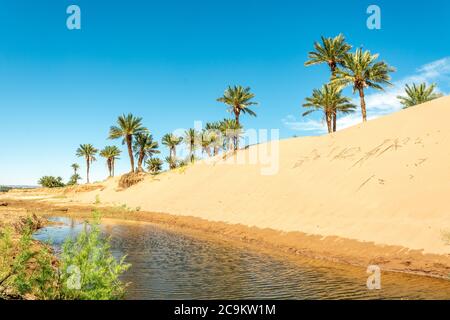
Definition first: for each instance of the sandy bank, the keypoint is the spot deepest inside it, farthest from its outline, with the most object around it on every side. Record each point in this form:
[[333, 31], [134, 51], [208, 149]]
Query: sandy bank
[[288, 244], [381, 187], [386, 182]]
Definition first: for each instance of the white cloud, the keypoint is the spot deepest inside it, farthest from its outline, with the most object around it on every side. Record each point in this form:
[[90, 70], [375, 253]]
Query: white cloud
[[379, 103], [292, 123]]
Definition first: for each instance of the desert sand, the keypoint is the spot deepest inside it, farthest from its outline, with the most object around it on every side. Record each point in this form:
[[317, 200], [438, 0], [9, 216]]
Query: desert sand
[[386, 182]]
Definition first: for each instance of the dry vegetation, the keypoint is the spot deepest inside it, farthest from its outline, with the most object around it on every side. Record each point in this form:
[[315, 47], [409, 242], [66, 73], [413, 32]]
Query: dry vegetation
[[130, 179]]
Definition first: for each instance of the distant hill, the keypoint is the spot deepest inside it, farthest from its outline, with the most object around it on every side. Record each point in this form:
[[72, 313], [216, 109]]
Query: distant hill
[[5, 188]]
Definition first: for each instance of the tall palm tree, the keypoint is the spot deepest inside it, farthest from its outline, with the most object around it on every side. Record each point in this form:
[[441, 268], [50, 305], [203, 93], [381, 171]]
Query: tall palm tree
[[330, 101], [418, 94], [238, 99], [75, 168], [144, 146], [361, 70], [331, 52], [191, 139], [231, 130], [154, 165], [127, 127], [88, 152], [111, 154], [172, 141]]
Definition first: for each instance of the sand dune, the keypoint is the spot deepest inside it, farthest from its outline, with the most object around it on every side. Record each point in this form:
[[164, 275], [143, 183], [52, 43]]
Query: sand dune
[[386, 181]]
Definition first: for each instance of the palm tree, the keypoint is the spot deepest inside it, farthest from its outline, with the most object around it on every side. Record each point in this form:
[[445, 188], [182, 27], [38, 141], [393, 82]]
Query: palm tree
[[238, 99], [171, 161], [74, 179], [88, 152], [75, 168], [191, 138], [154, 165], [332, 52], [231, 131], [330, 101], [418, 94], [361, 70], [207, 141], [111, 154], [214, 135], [144, 146], [172, 141], [127, 127]]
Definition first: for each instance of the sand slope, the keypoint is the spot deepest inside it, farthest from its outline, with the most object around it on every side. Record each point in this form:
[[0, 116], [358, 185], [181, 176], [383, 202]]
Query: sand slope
[[387, 181]]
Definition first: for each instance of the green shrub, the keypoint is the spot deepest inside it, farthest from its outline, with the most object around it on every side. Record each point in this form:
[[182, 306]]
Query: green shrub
[[154, 165], [51, 182], [74, 179], [86, 270], [99, 271], [4, 188]]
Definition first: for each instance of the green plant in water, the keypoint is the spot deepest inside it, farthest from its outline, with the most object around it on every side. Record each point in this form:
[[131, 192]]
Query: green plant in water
[[87, 270]]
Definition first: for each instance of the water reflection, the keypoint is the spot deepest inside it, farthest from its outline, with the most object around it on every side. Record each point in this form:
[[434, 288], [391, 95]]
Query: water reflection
[[168, 265]]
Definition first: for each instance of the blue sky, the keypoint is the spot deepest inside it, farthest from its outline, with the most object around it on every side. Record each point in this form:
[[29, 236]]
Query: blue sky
[[168, 61]]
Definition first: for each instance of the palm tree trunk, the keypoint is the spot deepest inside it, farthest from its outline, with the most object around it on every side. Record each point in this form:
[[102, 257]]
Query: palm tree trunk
[[333, 67], [329, 117], [235, 137], [87, 170], [363, 104], [192, 152], [110, 161], [140, 160], [112, 167], [334, 120], [130, 151]]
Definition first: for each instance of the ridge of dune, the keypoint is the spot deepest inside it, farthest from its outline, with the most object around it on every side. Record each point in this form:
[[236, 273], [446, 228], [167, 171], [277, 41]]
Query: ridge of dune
[[386, 181]]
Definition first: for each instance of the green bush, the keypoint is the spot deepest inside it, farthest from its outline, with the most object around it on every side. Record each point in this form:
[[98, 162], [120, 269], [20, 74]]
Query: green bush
[[86, 269], [74, 179], [99, 271], [4, 188], [51, 182]]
